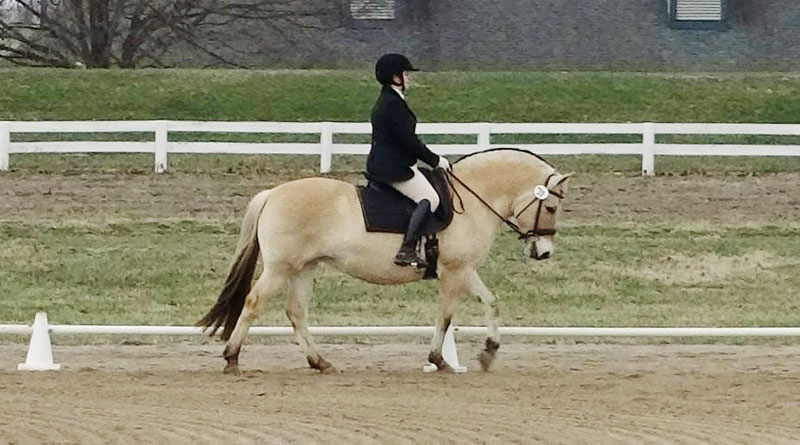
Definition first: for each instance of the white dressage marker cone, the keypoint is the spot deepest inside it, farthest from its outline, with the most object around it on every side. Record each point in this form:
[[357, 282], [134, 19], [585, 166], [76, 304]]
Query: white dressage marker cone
[[40, 353], [449, 354]]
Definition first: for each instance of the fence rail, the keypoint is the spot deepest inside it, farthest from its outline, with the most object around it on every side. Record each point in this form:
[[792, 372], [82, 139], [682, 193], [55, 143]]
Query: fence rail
[[161, 146], [21, 329]]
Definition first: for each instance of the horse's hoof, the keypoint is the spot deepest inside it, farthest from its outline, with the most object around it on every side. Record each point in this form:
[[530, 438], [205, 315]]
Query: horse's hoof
[[322, 365], [444, 368], [486, 359], [330, 370], [232, 369]]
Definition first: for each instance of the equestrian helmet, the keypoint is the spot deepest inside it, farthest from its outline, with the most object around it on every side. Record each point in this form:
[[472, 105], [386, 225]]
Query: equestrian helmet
[[389, 65]]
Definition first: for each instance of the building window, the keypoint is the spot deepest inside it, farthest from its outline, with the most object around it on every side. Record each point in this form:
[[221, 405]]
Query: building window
[[697, 14], [372, 9]]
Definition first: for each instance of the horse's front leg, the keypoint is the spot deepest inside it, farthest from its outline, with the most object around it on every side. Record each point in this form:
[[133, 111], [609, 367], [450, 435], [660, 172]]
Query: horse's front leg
[[451, 286], [492, 306]]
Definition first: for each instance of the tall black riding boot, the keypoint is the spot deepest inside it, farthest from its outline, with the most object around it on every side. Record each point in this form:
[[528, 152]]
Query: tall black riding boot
[[407, 256]]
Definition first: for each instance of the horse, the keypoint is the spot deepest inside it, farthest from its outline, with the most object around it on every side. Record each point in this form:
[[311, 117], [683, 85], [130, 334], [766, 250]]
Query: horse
[[302, 223]]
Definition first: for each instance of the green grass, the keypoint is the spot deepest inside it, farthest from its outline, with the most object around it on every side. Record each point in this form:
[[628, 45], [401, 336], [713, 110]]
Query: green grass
[[170, 272], [316, 95]]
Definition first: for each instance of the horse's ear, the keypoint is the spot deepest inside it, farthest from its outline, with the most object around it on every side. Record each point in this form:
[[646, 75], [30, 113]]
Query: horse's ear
[[562, 178]]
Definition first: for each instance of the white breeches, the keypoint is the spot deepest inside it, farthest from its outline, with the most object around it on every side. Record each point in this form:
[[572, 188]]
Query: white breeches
[[418, 188]]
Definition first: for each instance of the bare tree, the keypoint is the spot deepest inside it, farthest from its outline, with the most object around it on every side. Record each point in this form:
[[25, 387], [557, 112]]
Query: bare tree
[[130, 33]]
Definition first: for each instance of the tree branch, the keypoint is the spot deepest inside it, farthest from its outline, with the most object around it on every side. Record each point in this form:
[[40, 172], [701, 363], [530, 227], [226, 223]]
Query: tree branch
[[129, 32]]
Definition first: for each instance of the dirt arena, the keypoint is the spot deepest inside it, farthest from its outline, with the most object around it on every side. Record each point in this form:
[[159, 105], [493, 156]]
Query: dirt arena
[[538, 393]]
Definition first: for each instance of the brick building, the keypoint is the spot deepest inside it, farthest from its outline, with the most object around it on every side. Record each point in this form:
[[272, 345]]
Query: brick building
[[535, 34]]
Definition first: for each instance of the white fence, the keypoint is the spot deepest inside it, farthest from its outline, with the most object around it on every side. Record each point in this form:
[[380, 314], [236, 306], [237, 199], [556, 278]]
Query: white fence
[[161, 146]]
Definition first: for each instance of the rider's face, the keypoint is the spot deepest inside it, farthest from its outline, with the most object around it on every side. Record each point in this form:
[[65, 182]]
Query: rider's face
[[406, 77]]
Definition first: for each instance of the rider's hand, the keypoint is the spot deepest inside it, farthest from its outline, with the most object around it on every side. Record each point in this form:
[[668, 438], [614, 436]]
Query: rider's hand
[[444, 164]]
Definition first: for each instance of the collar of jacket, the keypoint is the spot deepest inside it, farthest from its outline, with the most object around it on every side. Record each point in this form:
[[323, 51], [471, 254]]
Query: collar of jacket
[[396, 90]]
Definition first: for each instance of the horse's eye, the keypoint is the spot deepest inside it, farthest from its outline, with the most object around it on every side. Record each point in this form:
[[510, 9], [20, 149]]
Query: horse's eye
[[550, 209]]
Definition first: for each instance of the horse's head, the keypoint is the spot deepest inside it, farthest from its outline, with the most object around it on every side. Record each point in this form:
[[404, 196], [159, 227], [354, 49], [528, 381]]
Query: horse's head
[[536, 210], [503, 176]]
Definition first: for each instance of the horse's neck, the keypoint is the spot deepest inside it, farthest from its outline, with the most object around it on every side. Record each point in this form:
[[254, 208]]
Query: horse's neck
[[497, 183]]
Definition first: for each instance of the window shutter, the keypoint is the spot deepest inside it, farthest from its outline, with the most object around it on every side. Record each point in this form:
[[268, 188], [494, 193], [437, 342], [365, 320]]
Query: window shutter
[[372, 9], [698, 10]]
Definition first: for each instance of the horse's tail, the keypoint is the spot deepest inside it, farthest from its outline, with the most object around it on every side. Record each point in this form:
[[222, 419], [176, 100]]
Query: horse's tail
[[231, 300]]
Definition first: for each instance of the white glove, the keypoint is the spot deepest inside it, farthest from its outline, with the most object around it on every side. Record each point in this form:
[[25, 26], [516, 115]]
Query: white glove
[[444, 164]]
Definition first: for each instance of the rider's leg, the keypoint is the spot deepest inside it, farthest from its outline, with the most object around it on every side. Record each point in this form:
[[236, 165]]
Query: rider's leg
[[407, 255], [418, 188], [422, 192]]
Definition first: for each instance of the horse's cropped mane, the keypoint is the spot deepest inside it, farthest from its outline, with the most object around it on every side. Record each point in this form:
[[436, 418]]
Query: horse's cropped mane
[[504, 149]]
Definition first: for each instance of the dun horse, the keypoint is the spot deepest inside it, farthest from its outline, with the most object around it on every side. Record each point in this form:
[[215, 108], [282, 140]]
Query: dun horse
[[302, 223]]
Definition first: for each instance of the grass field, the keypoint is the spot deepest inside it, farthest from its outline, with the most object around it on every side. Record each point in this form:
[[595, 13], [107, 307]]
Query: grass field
[[101, 239], [40, 94], [168, 273]]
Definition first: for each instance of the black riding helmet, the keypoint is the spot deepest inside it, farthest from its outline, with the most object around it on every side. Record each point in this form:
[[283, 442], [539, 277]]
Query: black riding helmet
[[389, 65]]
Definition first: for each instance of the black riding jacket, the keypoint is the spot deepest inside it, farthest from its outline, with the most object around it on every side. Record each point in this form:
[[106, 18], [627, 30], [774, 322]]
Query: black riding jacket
[[395, 145]]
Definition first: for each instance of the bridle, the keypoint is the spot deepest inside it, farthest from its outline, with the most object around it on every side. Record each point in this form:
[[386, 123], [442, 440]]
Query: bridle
[[541, 192]]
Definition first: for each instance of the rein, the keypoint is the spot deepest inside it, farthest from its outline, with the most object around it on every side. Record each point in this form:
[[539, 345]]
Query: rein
[[522, 235]]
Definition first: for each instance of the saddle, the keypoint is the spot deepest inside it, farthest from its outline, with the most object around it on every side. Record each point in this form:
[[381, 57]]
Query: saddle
[[387, 210]]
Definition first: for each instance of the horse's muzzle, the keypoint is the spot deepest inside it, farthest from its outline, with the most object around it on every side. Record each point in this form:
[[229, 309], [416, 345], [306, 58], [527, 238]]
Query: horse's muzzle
[[543, 256], [541, 249]]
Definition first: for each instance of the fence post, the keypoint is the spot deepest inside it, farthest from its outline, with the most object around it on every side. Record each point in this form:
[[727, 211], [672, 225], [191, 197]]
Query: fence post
[[5, 144], [161, 146], [484, 138], [326, 147], [648, 149]]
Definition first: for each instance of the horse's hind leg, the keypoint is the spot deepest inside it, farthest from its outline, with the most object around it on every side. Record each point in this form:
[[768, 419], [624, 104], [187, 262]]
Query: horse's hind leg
[[300, 291], [267, 285], [492, 306]]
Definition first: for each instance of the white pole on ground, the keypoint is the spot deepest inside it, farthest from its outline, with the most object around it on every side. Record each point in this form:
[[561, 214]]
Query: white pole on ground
[[59, 329], [40, 352]]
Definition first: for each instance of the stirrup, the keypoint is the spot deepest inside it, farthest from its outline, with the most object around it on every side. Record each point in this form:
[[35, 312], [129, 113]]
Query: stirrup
[[409, 259]]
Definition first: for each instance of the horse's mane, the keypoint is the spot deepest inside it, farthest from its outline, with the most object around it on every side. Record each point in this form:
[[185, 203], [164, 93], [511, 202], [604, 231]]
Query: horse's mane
[[504, 149]]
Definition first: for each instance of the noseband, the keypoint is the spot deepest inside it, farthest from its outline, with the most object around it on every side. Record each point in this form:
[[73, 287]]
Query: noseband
[[536, 231]]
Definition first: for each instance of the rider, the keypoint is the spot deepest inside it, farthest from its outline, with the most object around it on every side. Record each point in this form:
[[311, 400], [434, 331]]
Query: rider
[[396, 149]]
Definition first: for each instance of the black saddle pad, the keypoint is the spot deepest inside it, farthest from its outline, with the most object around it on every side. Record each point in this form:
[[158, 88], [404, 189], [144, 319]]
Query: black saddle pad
[[387, 210]]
